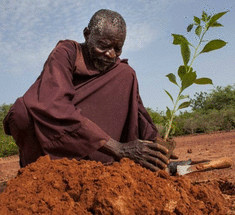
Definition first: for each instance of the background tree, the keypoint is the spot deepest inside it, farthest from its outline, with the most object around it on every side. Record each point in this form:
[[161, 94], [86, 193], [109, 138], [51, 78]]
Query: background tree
[[220, 98]]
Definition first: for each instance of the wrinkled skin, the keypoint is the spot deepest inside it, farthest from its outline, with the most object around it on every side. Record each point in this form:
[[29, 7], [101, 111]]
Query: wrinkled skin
[[104, 47], [151, 155], [170, 144], [148, 154]]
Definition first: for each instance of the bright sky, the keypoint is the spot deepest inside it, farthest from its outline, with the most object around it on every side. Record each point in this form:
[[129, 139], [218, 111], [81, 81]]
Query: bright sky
[[29, 30]]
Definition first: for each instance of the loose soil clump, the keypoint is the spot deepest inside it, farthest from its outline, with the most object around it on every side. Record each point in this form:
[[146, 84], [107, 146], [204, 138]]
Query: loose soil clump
[[87, 187]]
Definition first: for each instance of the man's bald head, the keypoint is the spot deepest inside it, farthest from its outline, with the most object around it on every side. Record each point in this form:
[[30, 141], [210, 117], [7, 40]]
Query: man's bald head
[[106, 18], [104, 39]]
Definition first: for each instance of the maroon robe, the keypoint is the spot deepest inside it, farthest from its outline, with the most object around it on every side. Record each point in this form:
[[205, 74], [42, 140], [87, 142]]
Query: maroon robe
[[72, 111]]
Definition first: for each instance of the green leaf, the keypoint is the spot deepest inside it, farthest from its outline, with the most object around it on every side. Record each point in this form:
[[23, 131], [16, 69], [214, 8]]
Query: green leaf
[[203, 81], [189, 28], [182, 70], [216, 24], [204, 16], [215, 17], [179, 39], [198, 30], [183, 97], [184, 105], [172, 78], [213, 45], [188, 79], [189, 70], [185, 52], [168, 113], [197, 20], [169, 95]]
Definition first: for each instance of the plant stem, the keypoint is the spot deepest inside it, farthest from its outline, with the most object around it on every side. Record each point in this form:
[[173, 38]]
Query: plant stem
[[172, 116], [195, 52]]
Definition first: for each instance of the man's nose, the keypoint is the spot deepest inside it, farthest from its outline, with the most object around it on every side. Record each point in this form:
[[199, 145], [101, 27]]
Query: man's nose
[[111, 53]]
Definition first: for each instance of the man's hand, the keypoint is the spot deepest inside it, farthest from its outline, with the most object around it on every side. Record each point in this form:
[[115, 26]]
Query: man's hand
[[147, 153], [170, 145]]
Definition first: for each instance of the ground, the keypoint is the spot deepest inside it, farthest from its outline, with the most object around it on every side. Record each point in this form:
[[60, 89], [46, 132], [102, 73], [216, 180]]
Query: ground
[[195, 147], [211, 147]]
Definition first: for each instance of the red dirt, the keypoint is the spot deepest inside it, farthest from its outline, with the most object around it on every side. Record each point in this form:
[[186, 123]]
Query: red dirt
[[85, 187], [211, 147]]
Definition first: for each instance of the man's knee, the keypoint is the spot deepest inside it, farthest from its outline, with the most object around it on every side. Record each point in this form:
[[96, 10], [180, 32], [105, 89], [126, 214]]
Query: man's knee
[[17, 118]]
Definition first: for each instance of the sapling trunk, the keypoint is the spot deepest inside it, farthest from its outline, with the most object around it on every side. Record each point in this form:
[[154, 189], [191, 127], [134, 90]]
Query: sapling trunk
[[171, 119]]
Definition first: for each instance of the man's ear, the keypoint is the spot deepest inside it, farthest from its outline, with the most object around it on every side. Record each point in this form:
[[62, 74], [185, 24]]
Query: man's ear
[[86, 33]]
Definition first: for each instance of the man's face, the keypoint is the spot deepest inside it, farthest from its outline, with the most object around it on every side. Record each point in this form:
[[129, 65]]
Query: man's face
[[105, 47]]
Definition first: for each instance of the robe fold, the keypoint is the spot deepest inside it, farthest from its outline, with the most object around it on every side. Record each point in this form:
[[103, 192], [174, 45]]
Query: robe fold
[[72, 110]]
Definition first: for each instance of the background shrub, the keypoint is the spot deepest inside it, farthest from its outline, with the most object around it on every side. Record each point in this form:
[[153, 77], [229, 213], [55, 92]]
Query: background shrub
[[214, 111], [7, 144]]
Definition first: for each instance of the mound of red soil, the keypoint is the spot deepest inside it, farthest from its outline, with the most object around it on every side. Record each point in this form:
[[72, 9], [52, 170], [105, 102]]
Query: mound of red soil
[[86, 187]]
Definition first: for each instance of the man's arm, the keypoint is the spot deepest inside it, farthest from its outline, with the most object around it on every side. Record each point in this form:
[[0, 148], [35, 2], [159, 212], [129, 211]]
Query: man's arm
[[60, 127]]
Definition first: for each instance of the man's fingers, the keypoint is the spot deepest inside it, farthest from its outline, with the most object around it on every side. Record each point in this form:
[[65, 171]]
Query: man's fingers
[[149, 165], [160, 164], [158, 147], [152, 155], [145, 141], [160, 161], [158, 155], [174, 156], [155, 146]]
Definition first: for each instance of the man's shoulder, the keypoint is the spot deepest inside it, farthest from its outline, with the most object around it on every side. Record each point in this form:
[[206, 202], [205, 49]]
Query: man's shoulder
[[124, 64], [125, 60], [68, 43], [125, 70], [67, 47]]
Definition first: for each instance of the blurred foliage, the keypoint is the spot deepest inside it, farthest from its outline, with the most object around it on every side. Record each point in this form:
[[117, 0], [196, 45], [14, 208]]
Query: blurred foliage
[[7, 144], [161, 121], [157, 117], [3, 112], [201, 122], [214, 111], [220, 98]]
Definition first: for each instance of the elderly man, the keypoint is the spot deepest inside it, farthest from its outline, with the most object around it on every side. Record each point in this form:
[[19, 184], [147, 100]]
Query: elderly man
[[85, 104]]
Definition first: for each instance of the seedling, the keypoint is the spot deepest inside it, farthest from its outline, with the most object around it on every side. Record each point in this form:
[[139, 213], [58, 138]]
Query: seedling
[[186, 74]]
